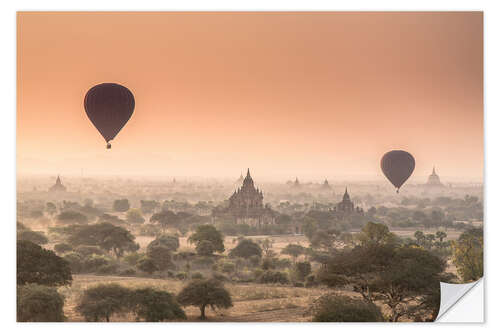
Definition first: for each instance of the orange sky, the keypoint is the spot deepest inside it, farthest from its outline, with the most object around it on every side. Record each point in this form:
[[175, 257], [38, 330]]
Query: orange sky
[[308, 94]]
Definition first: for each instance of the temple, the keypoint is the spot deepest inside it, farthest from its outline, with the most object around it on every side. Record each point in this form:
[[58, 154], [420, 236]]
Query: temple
[[346, 206], [433, 179], [326, 185], [58, 186], [246, 205]]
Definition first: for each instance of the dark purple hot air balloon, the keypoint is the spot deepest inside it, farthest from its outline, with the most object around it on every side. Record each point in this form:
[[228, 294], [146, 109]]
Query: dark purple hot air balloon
[[109, 106], [397, 166]]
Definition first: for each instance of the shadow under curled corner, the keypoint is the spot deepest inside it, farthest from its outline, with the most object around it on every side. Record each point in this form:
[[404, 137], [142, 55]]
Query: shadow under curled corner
[[462, 302]]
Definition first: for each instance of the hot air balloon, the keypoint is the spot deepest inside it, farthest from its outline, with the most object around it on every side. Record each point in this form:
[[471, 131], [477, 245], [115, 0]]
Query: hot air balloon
[[109, 106], [397, 166]]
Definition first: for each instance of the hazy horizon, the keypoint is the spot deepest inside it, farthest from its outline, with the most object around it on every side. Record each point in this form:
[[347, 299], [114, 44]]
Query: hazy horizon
[[308, 95]]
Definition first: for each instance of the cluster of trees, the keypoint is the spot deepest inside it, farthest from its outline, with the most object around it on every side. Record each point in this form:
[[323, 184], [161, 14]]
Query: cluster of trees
[[148, 304], [39, 272]]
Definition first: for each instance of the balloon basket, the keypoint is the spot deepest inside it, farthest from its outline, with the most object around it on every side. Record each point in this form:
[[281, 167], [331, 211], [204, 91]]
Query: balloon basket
[[108, 146]]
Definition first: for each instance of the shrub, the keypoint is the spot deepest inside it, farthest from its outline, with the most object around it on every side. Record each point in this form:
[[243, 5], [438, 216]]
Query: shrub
[[62, 248], [155, 305], [181, 276], [94, 262], [39, 303], [161, 256], [75, 262], [102, 301], [337, 308], [38, 265], [197, 275], [147, 265], [88, 250], [32, 236], [301, 270], [170, 242], [246, 248], [205, 248], [274, 277], [128, 272]]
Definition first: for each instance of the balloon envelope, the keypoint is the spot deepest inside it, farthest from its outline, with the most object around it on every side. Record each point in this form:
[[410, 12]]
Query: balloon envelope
[[397, 166], [109, 106]]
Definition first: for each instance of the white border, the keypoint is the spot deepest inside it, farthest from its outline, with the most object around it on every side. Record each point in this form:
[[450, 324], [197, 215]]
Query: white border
[[7, 132]]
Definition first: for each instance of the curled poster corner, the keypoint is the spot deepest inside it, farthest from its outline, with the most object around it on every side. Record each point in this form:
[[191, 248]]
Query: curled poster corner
[[457, 306]]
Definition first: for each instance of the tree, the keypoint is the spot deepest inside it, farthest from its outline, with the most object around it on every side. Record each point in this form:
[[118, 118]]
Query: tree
[[205, 248], [69, 216], [202, 293], [155, 305], [121, 205], [294, 250], [147, 265], [149, 206], [338, 308], [165, 219], [171, 242], [375, 234], [161, 256], [105, 235], [50, 208], [302, 269], [208, 233], [468, 254], [102, 301], [246, 248], [396, 275], [38, 265], [441, 235], [135, 216], [38, 303], [267, 245], [32, 236]]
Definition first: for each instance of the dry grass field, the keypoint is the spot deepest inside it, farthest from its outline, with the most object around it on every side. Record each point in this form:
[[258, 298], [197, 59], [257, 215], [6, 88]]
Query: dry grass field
[[252, 302]]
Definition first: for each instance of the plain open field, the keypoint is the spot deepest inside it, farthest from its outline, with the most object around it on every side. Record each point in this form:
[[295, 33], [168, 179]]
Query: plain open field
[[252, 302]]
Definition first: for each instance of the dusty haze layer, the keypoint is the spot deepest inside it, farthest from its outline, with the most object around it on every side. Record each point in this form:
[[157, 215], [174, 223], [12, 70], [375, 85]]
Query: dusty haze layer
[[287, 94]]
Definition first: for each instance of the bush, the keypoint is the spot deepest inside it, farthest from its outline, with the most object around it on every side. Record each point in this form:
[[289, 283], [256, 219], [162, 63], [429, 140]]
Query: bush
[[94, 262], [38, 265], [181, 276], [102, 301], [62, 248], [246, 248], [68, 217], [197, 275], [88, 250], [161, 256], [32, 236], [147, 265], [128, 272], [337, 308], [37, 303], [204, 262], [121, 205], [107, 269], [301, 270], [274, 277], [155, 305], [75, 262], [205, 248], [170, 242]]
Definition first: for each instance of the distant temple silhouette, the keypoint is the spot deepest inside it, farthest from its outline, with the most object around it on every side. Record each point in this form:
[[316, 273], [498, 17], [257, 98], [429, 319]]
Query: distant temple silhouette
[[433, 179], [346, 206], [58, 186], [325, 185], [246, 205]]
